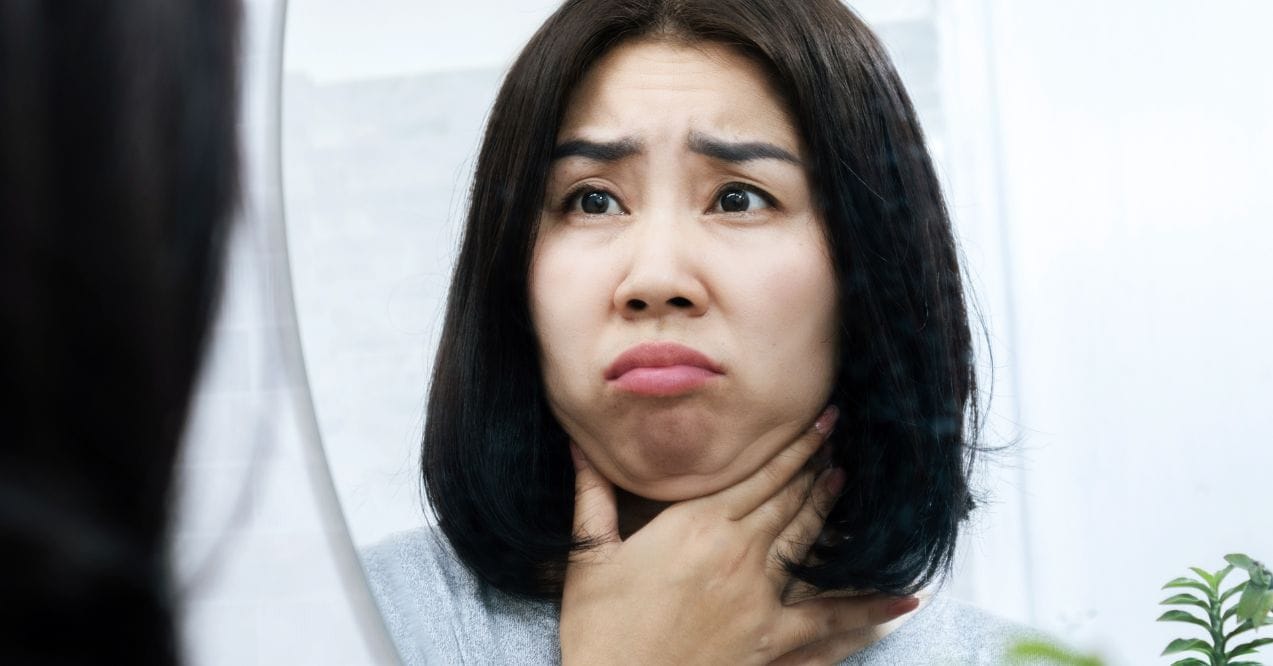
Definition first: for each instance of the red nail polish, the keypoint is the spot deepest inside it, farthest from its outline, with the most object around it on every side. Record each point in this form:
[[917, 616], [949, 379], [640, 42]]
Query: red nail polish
[[825, 424], [835, 481], [902, 606]]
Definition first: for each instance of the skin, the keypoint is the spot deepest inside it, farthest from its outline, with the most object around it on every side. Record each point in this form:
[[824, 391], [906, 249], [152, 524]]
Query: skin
[[703, 583], [753, 290], [692, 501]]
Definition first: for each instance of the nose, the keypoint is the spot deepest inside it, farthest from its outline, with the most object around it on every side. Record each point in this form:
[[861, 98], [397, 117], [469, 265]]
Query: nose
[[664, 276]]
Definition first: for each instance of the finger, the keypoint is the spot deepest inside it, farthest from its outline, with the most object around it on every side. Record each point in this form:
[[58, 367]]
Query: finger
[[800, 531], [771, 519], [596, 516], [798, 591], [815, 620], [745, 496]]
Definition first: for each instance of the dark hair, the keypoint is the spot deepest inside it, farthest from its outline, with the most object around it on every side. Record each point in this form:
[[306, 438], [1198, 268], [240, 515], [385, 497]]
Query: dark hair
[[118, 162], [495, 462]]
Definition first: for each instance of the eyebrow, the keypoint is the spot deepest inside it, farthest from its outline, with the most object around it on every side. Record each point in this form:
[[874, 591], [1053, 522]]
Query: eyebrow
[[745, 151], [598, 151], [726, 151]]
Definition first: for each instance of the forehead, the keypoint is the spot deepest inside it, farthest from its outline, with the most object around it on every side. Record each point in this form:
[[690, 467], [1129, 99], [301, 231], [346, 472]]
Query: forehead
[[659, 89]]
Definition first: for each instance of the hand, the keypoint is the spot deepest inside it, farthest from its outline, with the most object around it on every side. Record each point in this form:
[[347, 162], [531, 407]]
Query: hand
[[702, 583]]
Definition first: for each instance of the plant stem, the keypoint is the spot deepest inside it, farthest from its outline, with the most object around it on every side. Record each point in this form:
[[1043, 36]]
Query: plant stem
[[1218, 657]]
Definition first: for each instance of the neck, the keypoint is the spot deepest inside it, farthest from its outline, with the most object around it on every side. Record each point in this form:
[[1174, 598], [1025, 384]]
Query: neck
[[635, 511]]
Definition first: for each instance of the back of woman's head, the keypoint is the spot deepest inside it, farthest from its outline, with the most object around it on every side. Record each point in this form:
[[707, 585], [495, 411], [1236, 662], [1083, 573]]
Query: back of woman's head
[[495, 462], [117, 181]]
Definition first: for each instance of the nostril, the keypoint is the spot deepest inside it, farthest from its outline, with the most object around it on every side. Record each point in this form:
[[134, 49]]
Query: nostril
[[680, 302], [636, 304]]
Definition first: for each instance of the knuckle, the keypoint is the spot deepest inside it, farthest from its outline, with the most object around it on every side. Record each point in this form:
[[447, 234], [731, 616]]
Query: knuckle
[[765, 642], [709, 543], [811, 629]]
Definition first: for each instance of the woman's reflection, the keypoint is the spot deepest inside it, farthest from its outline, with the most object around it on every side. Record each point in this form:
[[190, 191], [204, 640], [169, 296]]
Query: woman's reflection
[[699, 232]]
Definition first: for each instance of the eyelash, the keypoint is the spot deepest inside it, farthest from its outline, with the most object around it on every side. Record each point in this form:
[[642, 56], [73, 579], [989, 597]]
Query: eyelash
[[568, 202], [750, 189]]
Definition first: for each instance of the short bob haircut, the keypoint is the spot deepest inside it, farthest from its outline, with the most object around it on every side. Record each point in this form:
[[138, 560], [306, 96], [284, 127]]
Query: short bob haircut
[[496, 464]]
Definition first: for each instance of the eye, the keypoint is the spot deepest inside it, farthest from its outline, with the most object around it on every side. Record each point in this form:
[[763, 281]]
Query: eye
[[592, 202], [738, 198]]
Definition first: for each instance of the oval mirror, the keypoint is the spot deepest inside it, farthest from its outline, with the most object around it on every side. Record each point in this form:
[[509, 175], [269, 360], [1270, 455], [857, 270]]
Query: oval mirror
[[1107, 172]]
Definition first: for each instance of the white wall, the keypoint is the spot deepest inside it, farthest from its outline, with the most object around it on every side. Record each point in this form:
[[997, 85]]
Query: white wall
[[1135, 160]]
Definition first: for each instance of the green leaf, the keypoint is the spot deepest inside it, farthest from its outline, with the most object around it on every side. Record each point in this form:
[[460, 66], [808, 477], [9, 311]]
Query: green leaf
[[1190, 661], [1189, 582], [1182, 616], [1183, 599], [1262, 611], [1031, 650], [1232, 591], [1219, 577], [1248, 648], [1240, 629], [1240, 561], [1186, 644], [1250, 601], [1245, 663], [1202, 573], [1228, 614]]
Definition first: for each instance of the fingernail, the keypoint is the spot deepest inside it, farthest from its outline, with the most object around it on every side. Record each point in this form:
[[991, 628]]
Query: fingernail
[[825, 424], [835, 481], [902, 606], [576, 456]]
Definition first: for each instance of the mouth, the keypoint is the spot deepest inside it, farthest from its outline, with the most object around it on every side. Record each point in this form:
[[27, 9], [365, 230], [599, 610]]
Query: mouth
[[661, 369]]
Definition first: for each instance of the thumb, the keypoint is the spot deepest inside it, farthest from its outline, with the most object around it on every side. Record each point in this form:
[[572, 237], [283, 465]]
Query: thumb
[[596, 516]]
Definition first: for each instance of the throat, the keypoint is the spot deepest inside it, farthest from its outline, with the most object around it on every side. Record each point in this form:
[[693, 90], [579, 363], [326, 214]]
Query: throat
[[635, 511]]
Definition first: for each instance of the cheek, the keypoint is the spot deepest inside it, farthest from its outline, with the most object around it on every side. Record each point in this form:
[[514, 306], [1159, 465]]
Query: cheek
[[565, 295], [789, 317], [788, 288]]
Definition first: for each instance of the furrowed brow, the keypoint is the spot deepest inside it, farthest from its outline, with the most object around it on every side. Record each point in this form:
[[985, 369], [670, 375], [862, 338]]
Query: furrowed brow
[[597, 151], [739, 152]]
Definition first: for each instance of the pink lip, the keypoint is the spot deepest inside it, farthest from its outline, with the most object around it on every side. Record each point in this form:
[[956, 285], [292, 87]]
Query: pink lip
[[661, 369]]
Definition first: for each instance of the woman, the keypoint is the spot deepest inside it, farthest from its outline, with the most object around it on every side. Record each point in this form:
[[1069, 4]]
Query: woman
[[700, 232], [118, 180]]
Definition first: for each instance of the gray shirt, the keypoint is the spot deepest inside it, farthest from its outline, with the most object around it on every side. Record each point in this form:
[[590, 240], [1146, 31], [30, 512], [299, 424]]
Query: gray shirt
[[438, 612]]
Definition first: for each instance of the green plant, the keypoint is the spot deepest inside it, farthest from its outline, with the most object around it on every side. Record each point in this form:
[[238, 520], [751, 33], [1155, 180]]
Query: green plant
[[1251, 612], [1041, 651]]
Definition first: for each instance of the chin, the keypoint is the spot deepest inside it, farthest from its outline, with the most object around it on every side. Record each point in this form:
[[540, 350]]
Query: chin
[[668, 444], [678, 489], [673, 471]]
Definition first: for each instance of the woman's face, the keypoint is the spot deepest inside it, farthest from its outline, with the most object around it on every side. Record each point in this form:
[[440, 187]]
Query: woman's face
[[681, 286]]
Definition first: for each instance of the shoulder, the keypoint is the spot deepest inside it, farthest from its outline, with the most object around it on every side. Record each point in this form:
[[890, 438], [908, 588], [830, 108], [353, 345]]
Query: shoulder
[[437, 611], [947, 631]]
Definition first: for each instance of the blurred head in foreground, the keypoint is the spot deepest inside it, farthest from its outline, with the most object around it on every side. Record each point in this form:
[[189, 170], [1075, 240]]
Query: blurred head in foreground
[[117, 182]]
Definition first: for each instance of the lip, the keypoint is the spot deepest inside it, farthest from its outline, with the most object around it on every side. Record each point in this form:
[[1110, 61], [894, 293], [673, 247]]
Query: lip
[[661, 369]]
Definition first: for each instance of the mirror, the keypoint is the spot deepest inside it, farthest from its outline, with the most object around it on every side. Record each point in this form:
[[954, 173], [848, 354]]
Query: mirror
[[1106, 169]]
